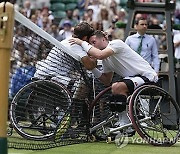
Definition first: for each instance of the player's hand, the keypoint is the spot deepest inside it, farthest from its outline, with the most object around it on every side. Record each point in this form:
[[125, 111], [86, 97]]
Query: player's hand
[[93, 59], [75, 41]]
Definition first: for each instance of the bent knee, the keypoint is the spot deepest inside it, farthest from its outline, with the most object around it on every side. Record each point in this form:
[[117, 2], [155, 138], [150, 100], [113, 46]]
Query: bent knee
[[119, 88]]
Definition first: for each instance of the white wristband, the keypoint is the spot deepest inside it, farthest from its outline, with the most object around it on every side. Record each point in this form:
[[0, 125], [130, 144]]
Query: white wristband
[[97, 73], [86, 46]]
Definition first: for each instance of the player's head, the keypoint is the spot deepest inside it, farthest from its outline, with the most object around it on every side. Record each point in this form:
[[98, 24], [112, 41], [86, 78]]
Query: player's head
[[99, 39], [83, 31]]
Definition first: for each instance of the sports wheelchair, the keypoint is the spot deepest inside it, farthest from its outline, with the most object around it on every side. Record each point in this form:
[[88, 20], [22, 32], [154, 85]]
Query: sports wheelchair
[[148, 109], [38, 108], [42, 109], [45, 109]]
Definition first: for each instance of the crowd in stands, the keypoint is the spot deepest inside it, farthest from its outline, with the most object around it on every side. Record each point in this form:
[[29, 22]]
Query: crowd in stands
[[101, 14]]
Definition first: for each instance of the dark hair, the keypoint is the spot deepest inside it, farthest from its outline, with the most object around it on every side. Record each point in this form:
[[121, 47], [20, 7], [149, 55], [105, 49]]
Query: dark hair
[[83, 29], [141, 18], [99, 33]]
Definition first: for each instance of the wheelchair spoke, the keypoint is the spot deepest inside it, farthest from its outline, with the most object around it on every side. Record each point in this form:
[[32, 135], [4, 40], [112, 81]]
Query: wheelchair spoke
[[156, 104], [37, 109]]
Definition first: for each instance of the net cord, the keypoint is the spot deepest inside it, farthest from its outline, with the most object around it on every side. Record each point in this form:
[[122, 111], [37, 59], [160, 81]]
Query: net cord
[[29, 24]]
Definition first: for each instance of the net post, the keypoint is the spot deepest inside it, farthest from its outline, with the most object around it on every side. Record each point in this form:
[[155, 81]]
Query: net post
[[6, 35]]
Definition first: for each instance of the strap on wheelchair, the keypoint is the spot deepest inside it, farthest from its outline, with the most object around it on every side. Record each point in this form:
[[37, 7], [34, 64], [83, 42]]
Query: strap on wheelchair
[[117, 103]]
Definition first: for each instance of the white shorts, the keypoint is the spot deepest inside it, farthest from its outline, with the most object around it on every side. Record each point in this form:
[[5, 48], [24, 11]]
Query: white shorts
[[136, 82]]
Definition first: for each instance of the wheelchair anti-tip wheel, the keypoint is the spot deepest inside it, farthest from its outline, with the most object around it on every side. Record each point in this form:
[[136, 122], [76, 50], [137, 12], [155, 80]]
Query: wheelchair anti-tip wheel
[[38, 108], [155, 115]]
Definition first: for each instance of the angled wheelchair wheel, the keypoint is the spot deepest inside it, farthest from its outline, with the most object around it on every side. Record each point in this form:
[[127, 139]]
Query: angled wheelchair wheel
[[38, 109], [100, 115], [155, 115]]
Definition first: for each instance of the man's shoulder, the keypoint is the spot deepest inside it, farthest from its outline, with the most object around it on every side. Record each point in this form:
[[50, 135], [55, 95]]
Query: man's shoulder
[[149, 36], [130, 37], [116, 41], [117, 44], [133, 35], [66, 43]]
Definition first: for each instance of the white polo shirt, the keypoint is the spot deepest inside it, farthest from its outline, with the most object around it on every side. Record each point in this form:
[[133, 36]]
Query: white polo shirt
[[126, 62], [58, 62]]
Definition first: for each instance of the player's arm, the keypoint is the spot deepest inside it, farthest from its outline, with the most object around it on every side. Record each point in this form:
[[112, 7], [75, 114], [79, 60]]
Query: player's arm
[[100, 54], [89, 62], [97, 53], [105, 78]]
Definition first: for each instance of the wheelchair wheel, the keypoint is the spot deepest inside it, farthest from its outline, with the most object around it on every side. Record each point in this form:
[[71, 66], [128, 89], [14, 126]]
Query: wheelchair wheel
[[38, 109], [155, 115], [100, 115]]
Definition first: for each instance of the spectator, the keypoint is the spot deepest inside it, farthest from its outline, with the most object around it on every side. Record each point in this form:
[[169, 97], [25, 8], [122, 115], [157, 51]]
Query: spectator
[[96, 7], [46, 24], [154, 24], [21, 34], [19, 53], [55, 32], [113, 7], [33, 42], [34, 19], [66, 32], [114, 32], [76, 15], [121, 15], [137, 16], [69, 16], [45, 12], [99, 26], [87, 17], [177, 16], [104, 18], [176, 41], [144, 44], [22, 76], [23, 12], [27, 8], [111, 31], [38, 17]]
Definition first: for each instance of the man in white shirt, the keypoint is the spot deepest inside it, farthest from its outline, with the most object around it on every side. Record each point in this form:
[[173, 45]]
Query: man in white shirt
[[61, 67], [58, 63], [117, 57]]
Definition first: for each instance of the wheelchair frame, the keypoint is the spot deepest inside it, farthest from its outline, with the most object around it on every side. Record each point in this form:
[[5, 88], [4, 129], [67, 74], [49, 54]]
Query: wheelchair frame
[[107, 120], [153, 126]]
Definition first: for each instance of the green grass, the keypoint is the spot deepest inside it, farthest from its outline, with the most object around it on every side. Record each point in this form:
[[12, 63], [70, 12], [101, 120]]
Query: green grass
[[104, 148]]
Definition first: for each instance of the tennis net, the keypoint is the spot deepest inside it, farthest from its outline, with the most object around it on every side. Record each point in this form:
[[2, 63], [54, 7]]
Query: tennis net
[[48, 91]]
